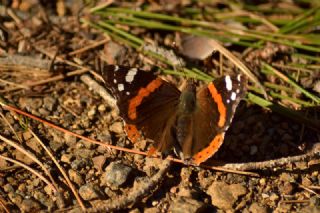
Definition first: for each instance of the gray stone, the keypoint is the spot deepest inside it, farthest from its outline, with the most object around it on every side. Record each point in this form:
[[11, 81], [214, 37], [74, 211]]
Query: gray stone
[[115, 175], [89, 192]]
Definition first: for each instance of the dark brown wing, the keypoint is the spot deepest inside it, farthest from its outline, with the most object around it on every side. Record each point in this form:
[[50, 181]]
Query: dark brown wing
[[216, 106], [146, 103]]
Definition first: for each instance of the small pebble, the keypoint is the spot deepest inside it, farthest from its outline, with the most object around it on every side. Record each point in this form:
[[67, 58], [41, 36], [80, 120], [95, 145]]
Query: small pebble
[[89, 192], [116, 127], [186, 205], [115, 174]]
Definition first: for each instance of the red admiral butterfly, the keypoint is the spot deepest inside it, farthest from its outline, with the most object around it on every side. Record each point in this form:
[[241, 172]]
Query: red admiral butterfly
[[194, 123]]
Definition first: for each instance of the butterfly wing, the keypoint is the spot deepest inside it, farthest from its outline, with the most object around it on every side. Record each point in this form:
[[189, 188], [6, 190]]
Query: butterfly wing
[[216, 105], [146, 102]]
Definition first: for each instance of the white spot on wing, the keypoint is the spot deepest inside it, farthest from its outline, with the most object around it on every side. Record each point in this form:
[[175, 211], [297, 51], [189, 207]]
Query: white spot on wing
[[130, 75], [120, 87], [233, 96], [116, 68], [238, 90], [239, 78], [115, 81], [127, 93], [228, 101], [228, 83]]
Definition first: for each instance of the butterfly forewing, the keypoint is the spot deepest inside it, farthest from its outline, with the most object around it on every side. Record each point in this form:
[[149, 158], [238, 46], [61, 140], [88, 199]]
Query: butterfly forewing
[[216, 106], [146, 103]]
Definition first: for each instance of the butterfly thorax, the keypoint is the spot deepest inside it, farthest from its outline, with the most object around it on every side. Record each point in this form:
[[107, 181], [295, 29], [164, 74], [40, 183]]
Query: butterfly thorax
[[187, 102], [186, 108]]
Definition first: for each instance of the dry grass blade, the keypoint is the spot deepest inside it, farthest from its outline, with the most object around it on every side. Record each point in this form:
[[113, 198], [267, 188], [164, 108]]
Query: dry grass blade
[[237, 62], [71, 186], [294, 84], [3, 204], [10, 126], [48, 80], [29, 155], [309, 190], [29, 169]]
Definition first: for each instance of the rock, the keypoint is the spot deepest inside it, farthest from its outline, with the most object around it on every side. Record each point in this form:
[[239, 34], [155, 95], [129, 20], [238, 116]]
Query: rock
[[70, 139], [256, 208], [306, 181], [301, 165], [48, 190], [27, 135], [15, 198], [285, 177], [22, 157], [115, 175], [34, 144], [44, 112], [56, 146], [90, 192], [48, 202], [187, 205], [224, 196], [187, 192], [263, 181], [286, 188], [30, 205], [274, 197], [75, 177], [22, 187], [113, 52], [116, 127], [80, 163], [136, 210], [66, 158], [316, 87], [92, 112], [310, 209], [3, 163], [8, 188], [186, 174], [49, 102], [30, 103], [105, 136], [152, 210], [151, 164], [99, 161]]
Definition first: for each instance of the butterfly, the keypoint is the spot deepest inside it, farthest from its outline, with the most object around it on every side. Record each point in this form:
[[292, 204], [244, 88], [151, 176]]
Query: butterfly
[[189, 121]]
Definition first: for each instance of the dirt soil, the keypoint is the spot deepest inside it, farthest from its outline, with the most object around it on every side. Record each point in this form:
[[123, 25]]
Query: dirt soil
[[44, 71]]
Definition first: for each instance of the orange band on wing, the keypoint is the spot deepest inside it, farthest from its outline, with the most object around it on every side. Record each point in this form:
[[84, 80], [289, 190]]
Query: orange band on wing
[[143, 92], [132, 132], [221, 107], [207, 152]]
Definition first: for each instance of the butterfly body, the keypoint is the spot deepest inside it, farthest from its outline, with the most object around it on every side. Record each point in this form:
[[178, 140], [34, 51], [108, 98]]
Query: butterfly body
[[193, 122]]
